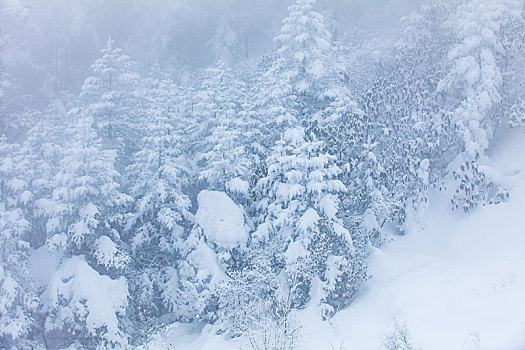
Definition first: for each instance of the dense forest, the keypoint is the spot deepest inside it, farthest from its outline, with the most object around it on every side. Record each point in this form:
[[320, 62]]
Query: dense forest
[[227, 163]]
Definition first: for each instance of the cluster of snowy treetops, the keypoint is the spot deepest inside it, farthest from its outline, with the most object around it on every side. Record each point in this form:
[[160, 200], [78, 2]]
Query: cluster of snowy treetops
[[114, 182]]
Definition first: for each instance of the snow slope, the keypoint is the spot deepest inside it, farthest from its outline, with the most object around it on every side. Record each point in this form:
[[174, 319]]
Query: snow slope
[[458, 284]]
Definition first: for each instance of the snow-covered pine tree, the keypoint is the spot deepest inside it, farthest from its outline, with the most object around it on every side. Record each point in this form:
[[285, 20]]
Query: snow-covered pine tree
[[513, 72], [473, 87], [158, 221], [41, 154], [108, 97], [212, 251], [27, 173], [83, 303], [302, 46], [299, 205], [307, 83], [349, 134], [403, 131], [219, 148], [18, 299], [224, 158], [297, 82], [211, 98]]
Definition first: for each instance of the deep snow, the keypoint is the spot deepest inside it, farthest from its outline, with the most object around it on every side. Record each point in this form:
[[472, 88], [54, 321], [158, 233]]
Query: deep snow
[[457, 284]]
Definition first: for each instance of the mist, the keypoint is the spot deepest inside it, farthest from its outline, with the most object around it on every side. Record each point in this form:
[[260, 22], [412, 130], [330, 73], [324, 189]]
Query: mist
[[49, 46]]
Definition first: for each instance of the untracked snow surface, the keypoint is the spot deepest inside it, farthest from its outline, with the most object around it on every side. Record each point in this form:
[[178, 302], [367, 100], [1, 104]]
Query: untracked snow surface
[[457, 284]]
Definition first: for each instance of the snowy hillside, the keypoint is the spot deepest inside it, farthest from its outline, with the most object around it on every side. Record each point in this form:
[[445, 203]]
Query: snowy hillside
[[459, 283]]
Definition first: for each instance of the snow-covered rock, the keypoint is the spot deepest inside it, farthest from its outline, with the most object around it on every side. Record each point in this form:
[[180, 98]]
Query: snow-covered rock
[[222, 220], [77, 293]]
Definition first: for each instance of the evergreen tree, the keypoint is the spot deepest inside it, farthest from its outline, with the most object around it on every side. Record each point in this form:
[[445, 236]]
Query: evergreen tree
[[157, 222], [84, 227], [473, 86], [299, 201], [307, 83], [18, 300], [224, 140], [298, 77], [109, 99], [42, 153], [213, 251]]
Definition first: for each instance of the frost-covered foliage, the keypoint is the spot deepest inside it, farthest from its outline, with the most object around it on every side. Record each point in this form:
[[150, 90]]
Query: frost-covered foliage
[[398, 339], [110, 96], [302, 43], [304, 76], [223, 140], [18, 301], [475, 76], [85, 304], [299, 202], [474, 85], [156, 222], [210, 250], [226, 191], [402, 143], [85, 197], [249, 295]]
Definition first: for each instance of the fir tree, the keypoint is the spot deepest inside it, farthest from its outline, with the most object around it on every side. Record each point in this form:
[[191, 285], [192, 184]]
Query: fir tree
[[299, 202], [109, 99], [85, 229], [18, 300], [474, 86], [224, 159]]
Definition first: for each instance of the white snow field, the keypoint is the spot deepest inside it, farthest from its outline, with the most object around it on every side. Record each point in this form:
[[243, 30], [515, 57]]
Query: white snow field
[[457, 284]]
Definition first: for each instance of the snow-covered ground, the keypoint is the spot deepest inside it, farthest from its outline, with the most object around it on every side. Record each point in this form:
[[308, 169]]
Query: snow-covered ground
[[457, 284]]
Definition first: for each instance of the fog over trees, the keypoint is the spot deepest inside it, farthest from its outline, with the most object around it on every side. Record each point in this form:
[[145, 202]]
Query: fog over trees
[[229, 163]]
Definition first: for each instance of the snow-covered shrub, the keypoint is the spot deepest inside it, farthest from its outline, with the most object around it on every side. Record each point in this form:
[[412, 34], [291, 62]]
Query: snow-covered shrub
[[476, 187], [272, 324], [268, 333], [247, 296], [398, 339]]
